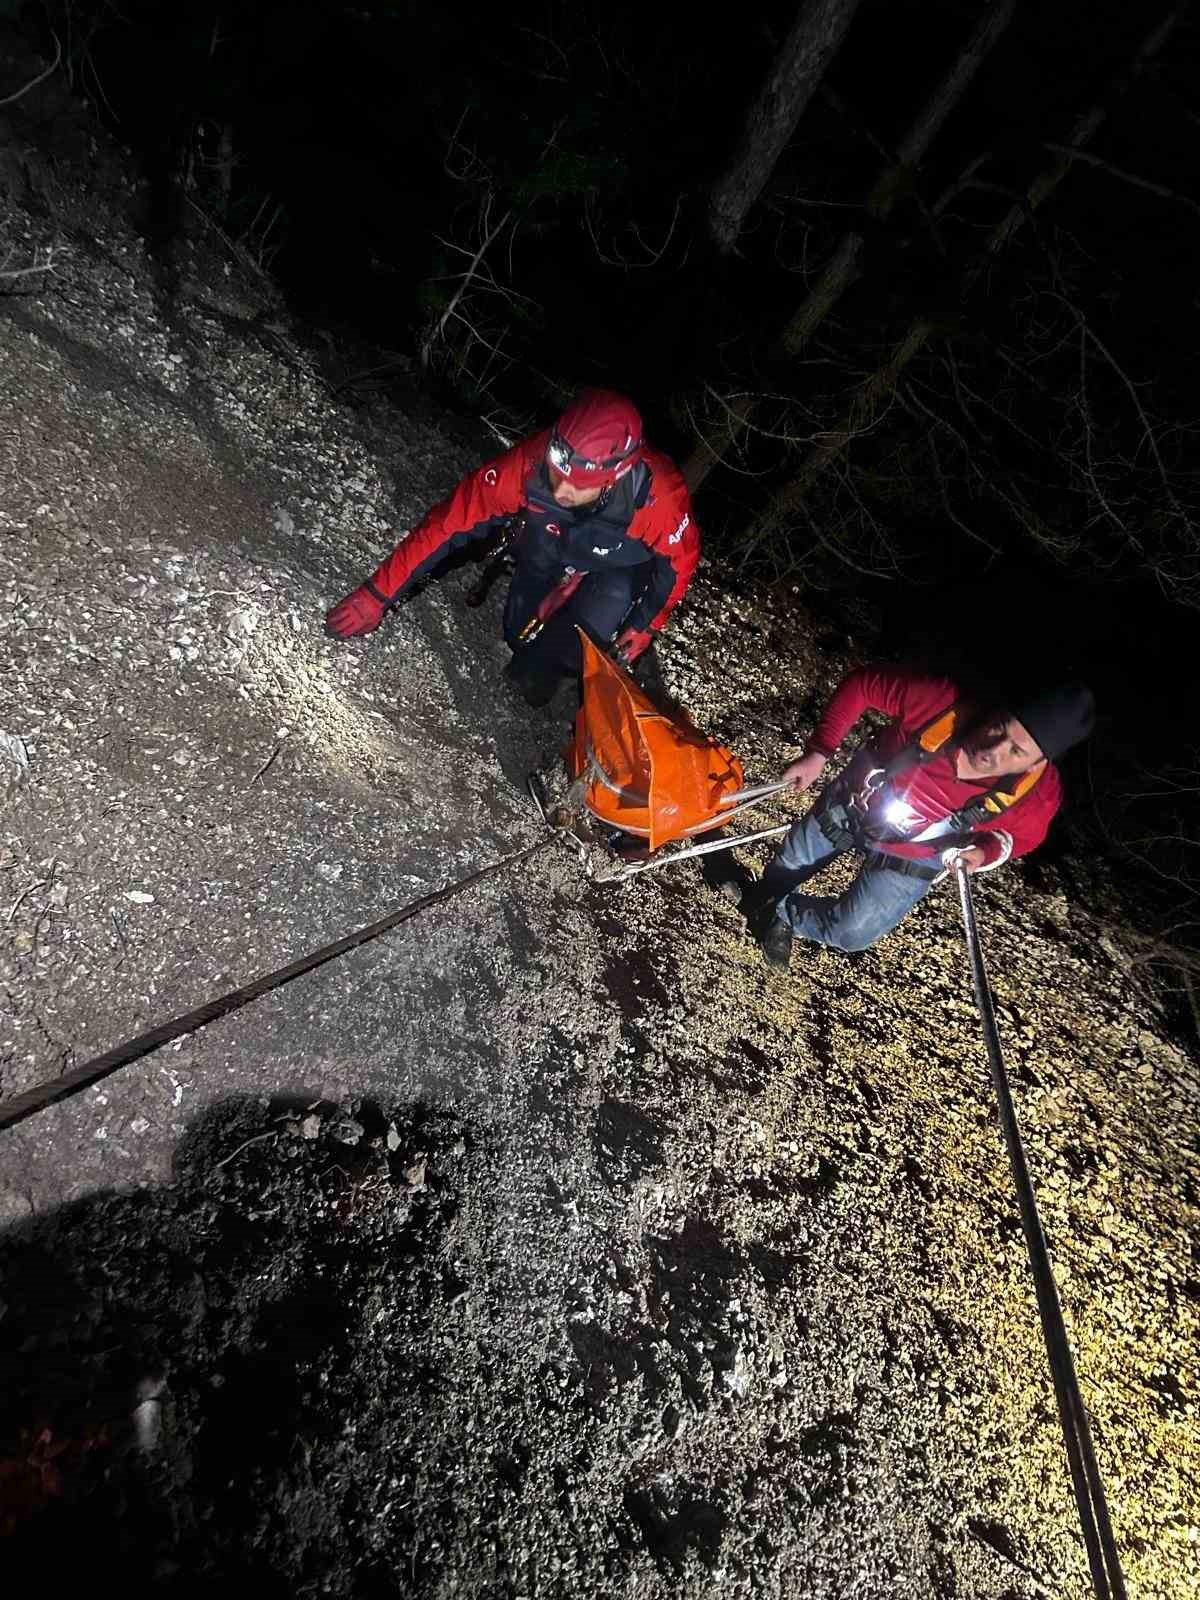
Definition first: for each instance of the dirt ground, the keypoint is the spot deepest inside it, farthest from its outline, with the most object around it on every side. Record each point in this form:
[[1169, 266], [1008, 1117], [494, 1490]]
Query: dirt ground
[[553, 1245]]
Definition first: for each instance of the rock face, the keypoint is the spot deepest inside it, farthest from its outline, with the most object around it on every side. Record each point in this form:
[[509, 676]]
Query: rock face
[[553, 1245]]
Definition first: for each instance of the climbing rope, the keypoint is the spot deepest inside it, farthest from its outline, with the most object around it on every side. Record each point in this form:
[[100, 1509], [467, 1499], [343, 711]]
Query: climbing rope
[[89, 1072], [1107, 1578]]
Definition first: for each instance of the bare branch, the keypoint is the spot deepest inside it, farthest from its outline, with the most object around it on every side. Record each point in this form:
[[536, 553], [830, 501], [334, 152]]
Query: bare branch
[[545, 41], [1148, 436], [1114, 171], [489, 234], [44, 260], [41, 77]]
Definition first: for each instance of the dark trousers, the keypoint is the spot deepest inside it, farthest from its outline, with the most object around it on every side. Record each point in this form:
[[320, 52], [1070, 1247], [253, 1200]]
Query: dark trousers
[[599, 606]]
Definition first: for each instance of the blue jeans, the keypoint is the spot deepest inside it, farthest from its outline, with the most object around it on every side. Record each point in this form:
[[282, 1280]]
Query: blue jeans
[[874, 903]]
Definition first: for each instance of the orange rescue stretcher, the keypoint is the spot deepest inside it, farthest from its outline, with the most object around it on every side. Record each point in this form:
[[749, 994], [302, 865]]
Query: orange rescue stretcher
[[639, 774]]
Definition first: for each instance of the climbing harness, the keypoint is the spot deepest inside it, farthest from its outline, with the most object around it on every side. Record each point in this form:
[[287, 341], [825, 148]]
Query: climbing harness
[[1103, 1558], [858, 814]]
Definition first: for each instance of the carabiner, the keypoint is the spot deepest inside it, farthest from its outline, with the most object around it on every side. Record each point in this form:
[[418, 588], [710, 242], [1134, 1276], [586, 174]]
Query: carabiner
[[860, 800]]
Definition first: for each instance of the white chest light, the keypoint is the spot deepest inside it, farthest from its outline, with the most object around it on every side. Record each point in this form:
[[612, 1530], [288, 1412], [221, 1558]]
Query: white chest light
[[899, 814]]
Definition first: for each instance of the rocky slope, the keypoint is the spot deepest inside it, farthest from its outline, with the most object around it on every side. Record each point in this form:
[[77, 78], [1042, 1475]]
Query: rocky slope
[[552, 1245]]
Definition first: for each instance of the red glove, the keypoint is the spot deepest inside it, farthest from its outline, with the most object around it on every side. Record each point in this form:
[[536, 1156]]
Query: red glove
[[360, 612], [629, 645]]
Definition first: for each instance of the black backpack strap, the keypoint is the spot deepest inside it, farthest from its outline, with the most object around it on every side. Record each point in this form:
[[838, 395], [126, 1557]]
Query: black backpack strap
[[984, 808], [929, 740]]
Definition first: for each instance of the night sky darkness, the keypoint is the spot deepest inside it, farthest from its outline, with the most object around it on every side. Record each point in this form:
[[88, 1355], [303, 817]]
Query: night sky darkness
[[372, 137]]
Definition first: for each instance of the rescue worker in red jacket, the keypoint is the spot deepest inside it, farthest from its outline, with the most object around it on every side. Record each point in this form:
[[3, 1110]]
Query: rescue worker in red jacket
[[946, 778], [605, 540]]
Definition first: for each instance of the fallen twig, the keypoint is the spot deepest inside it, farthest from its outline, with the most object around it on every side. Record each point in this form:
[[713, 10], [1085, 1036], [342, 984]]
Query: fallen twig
[[12, 910], [267, 763], [257, 1139]]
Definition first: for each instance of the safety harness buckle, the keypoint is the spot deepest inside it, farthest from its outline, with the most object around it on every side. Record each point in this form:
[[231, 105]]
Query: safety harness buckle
[[859, 803]]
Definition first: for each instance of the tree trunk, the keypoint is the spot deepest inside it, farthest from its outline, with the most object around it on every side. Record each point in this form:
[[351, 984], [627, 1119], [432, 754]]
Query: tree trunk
[[708, 451], [870, 396], [844, 266], [805, 54], [223, 172], [862, 411], [993, 20]]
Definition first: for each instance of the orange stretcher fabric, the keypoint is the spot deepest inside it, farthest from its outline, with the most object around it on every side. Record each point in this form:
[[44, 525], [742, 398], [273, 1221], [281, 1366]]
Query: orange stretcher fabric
[[662, 779]]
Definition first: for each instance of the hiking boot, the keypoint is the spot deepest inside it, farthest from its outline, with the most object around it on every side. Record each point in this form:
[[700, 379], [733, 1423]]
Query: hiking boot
[[728, 877], [776, 943], [536, 688]]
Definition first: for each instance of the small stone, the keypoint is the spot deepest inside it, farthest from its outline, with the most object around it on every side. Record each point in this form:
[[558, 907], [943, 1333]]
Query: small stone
[[240, 624], [147, 1424], [414, 1175], [736, 1380], [139, 897], [310, 1126], [393, 1138], [347, 1131]]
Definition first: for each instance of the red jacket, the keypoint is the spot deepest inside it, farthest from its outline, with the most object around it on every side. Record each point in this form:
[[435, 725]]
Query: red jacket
[[661, 532], [932, 791]]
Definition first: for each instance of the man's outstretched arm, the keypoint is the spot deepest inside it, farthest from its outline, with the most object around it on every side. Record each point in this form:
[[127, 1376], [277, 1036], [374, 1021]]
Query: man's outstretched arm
[[492, 491]]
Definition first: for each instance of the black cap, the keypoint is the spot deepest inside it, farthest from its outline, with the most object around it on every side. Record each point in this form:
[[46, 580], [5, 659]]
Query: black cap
[[1058, 718]]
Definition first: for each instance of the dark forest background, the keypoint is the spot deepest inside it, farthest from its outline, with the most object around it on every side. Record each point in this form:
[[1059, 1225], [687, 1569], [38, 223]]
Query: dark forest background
[[908, 287]]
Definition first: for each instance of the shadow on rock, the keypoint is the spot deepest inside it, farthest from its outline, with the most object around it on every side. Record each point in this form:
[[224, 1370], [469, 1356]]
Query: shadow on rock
[[195, 1380]]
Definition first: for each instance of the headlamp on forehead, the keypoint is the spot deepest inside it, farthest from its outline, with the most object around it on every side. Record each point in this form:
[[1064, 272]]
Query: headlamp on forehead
[[596, 440], [563, 459], [558, 454]]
